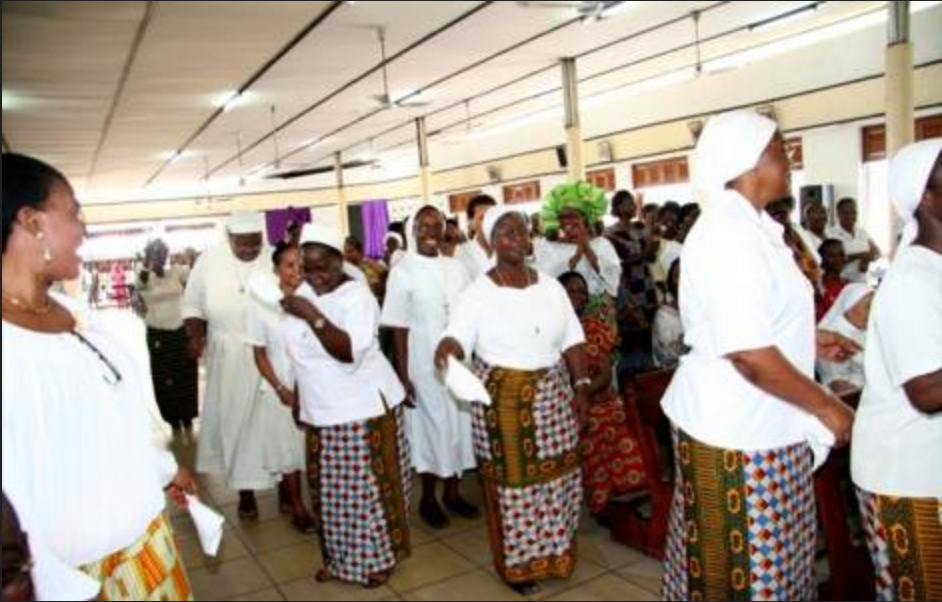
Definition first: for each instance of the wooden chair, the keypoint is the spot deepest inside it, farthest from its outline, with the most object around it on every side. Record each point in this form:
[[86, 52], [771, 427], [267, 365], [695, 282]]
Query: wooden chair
[[850, 566], [647, 532]]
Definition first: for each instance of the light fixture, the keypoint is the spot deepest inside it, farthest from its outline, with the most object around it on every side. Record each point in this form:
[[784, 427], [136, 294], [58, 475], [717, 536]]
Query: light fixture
[[230, 100], [784, 18], [8, 100]]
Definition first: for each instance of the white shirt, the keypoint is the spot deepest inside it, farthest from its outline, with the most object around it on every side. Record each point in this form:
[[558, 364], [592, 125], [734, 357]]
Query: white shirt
[[553, 259], [267, 328], [858, 242], [739, 290], [164, 298], [896, 449], [475, 260], [332, 392], [811, 240], [78, 452], [667, 337], [668, 252], [521, 329]]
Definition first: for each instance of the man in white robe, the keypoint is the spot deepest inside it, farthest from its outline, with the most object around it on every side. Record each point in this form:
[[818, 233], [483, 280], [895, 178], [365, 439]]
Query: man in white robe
[[214, 311]]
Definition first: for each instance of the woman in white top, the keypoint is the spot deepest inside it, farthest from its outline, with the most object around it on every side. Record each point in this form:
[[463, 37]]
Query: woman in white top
[[527, 344], [861, 251], [419, 297], [667, 332], [848, 317], [358, 455], [271, 445], [743, 402], [78, 452], [475, 254], [898, 433], [173, 370]]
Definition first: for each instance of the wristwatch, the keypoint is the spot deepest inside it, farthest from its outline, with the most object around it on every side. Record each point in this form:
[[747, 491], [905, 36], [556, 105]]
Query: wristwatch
[[319, 324]]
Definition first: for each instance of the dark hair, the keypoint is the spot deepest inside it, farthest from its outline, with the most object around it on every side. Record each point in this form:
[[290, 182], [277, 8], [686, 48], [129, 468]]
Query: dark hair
[[280, 249], [480, 200], [353, 240], [621, 197], [452, 221], [671, 287], [846, 201], [572, 275], [688, 209], [26, 183], [828, 242]]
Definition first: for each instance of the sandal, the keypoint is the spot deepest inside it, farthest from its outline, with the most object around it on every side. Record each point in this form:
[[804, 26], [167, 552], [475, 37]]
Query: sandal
[[304, 524], [377, 580], [463, 508], [323, 576], [527, 588]]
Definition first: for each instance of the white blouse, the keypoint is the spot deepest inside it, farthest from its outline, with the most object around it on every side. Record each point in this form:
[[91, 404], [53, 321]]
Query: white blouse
[[896, 449], [553, 259], [740, 290], [333, 392], [521, 329], [78, 449], [164, 299], [268, 328], [858, 242]]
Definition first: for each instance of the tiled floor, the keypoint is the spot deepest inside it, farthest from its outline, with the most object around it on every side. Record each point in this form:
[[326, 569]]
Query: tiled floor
[[268, 560]]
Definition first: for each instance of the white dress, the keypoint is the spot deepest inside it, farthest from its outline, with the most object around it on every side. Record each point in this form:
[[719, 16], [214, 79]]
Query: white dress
[[216, 292], [79, 460], [271, 444], [553, 258], [419, 296], [474, 259]]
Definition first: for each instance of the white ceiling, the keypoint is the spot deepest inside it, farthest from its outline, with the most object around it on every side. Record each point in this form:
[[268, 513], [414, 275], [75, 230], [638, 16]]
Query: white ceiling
[[108, 91]]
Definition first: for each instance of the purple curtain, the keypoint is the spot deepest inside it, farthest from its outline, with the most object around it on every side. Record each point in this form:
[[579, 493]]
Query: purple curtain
[[278, 220], [375, 218]]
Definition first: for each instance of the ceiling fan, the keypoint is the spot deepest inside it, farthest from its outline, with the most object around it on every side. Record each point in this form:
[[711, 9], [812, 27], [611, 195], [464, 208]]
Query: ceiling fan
[[588, 10], [385, 100]]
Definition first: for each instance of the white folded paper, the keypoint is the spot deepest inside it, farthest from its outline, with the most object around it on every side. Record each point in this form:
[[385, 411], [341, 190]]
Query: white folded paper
[[821, 440], [264, 289], [463, 384], [208, 525]]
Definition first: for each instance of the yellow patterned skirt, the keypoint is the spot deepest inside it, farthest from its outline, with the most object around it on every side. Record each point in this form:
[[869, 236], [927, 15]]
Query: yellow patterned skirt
[[905, 540], [150, 569]]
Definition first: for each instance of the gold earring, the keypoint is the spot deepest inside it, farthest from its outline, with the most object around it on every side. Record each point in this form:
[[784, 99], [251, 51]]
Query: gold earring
[[47, 254]]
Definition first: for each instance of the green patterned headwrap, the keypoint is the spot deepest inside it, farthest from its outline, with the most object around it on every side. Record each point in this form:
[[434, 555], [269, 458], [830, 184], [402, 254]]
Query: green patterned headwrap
[[585, 198]]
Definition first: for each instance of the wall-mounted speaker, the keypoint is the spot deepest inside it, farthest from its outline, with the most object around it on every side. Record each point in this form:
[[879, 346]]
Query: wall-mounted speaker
[[605, 152], [493, 174], [561, 157]]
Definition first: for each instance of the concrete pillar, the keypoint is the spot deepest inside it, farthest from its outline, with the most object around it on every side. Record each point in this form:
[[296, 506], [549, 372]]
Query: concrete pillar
[[341, 194], [900, 109], [574, 145], [425, 173]]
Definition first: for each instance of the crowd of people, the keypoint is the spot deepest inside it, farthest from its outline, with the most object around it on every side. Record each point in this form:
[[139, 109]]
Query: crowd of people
[[325, 364]]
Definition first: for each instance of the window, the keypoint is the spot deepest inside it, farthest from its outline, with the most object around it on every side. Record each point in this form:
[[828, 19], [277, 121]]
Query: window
[[602, 178], [458, 202], [524, 192], [873, 137]]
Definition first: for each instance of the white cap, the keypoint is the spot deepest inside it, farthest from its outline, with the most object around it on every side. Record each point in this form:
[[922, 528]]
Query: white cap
[[910, 171], [322, 235], [730, 145], [497, 213], [245, 222]]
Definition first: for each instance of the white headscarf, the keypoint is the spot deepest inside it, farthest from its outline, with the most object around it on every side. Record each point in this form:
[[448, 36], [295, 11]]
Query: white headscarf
[[729, 146], [245, 222], [322, 235], [411, 227], [852, 294], [395, 236], [909, 174], [497, 213]]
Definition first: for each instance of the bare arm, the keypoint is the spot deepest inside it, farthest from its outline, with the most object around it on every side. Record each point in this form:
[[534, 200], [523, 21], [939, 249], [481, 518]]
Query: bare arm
[[771, 371], [335, 341], [265, 368], [196, 331], [925, 392], [401, 362]]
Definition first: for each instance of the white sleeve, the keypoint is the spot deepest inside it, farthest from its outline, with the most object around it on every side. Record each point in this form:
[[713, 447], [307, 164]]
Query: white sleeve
[[463, 323], [255, 330], [194, 297], [910, 352], [360, 320], [609, 275], [550, 258], [396, 305], [736, 286]]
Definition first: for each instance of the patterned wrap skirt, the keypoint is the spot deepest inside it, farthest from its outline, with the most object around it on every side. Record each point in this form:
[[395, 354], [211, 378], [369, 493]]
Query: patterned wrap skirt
[[742, 524], [905, 540], [149, 569], [527, 445], [360, 480]]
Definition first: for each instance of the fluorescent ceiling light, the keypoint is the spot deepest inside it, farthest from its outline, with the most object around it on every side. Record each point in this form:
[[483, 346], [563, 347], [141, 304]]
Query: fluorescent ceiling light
[[672, 78], [231, 99], [785, 18]]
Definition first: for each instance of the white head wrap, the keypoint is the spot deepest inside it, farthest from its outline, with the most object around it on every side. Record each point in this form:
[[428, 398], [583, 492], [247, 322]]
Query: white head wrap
[[849, 297], [411, 227], [245, 222], [729, 146], [909, 174], [497, 213], [395, 236], [322, 235]]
